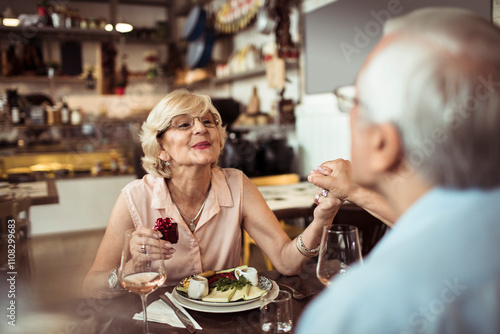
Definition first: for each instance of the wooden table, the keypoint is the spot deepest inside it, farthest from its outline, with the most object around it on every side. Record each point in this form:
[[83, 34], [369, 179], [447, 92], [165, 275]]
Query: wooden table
[[297, 200], [40, 192], [117, 313], [290, 200]]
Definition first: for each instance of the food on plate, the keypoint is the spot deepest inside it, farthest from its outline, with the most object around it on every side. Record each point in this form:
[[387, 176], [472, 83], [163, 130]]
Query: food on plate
[[225, 287], [254, 292], [168, 229], [217, 296], [207, 274]]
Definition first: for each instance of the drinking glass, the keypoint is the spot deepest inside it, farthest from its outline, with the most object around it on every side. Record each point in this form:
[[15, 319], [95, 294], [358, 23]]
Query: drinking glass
[[276, 314], [339, 248], [141, 271]]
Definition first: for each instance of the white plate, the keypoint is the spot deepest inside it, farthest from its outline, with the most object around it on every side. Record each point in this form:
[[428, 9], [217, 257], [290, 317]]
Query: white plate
[[264, 283], [228, 307]]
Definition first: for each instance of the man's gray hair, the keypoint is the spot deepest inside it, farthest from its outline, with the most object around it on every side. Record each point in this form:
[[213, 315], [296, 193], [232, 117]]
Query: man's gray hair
[[436, 76]]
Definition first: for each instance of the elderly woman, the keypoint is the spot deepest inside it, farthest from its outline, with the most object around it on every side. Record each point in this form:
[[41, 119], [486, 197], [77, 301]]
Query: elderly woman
[[182, 139]]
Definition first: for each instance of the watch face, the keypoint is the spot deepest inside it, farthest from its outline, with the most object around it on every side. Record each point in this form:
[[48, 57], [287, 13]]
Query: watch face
[[113, 280]]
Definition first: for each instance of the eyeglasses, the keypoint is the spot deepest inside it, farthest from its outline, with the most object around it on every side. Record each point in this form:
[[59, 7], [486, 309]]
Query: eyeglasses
[[185, 122], [346, 98]]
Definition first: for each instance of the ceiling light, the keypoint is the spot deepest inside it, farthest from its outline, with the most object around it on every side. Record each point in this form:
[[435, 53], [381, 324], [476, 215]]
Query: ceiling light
[[108, 27]]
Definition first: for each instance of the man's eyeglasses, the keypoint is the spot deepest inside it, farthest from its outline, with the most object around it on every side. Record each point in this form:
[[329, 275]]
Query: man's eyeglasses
[[185, 122], [346, 98]]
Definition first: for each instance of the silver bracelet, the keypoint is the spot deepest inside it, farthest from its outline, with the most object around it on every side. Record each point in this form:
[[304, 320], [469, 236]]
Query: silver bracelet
[[304, 250]]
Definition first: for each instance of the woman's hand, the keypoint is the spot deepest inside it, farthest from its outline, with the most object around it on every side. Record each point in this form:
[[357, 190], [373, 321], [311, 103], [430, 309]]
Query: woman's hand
[[145, 241], [327, 206], [333, 180]]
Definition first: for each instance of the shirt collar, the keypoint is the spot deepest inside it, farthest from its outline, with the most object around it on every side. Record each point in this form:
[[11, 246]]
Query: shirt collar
[[219, 192]]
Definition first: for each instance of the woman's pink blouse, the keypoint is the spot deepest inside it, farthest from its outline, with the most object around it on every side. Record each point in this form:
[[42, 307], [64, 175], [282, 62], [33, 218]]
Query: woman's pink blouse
[[215, 244]]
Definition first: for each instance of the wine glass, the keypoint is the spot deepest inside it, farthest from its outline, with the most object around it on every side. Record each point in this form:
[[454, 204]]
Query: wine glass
[[339, 248], [141, 268]]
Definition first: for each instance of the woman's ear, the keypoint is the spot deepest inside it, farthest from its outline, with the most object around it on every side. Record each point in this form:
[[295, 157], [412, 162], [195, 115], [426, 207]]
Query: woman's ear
[[163, 155], [386, 148]]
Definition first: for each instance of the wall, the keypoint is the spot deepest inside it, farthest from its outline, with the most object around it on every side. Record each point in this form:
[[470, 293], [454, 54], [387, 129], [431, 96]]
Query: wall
[[322, 131], [84, 204], [138, 16]]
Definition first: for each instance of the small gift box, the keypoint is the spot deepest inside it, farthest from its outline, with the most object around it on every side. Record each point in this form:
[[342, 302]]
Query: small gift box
[[168, 228]]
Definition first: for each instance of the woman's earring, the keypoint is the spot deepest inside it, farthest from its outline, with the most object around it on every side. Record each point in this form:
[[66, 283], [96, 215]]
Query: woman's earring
[[167, 163]]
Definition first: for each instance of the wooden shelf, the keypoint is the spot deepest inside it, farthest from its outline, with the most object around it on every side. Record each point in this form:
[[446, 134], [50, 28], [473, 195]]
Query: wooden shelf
[[152, 3], [258, 71], [26, 33], [23, 34], [42, 79], [261, 70]]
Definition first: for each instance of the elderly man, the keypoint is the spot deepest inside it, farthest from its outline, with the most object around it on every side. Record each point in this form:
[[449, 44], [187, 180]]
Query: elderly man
[[425, 120]]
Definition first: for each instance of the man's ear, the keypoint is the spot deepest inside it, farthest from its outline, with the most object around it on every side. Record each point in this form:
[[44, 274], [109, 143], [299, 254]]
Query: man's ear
[[385, 147]]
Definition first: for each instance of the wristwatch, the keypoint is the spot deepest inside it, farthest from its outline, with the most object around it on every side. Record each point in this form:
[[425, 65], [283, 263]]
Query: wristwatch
[[113, 280]]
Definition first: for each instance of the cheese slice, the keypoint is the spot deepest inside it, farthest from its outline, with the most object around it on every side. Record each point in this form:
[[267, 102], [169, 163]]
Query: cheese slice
[[231, 269], [240, 293], [217, 296], [254, 292]]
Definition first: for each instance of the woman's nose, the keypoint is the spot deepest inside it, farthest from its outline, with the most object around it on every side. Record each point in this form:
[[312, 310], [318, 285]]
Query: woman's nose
[[198, 126]]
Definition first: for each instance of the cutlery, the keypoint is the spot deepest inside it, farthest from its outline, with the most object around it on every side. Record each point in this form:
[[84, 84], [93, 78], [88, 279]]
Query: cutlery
[[182, 317], [298, 295]]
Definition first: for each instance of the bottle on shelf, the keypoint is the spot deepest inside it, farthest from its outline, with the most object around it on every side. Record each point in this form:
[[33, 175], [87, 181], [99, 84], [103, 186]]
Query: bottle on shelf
[[65, 111], [38, 115], [15, 113], [76, 117], [4, 110]]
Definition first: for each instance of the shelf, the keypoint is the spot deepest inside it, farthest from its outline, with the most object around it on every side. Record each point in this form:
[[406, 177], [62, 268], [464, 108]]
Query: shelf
[[258, 71], [26, 33], [116, 121], [261, 70], [138, 40], [42, 79], [152, 3]]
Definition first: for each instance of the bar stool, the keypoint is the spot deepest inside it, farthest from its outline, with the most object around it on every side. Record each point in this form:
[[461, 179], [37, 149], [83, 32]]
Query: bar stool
[[291, 230]]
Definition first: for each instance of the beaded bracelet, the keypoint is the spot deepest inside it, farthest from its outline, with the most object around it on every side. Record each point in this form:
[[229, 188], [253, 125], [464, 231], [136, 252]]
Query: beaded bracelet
[[304, 250]]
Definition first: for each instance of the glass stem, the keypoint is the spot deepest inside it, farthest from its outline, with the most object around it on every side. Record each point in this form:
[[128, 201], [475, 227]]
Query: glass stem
[[144, 298]]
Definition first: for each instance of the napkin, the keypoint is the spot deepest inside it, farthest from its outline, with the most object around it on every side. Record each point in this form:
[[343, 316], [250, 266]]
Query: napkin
[[160, 312]]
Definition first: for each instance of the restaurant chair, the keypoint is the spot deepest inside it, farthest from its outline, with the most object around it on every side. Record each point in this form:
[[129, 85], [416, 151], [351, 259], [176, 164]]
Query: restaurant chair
[[15, 211], [292, 230]]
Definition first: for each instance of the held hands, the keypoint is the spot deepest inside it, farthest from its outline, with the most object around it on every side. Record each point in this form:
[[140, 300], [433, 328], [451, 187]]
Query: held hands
[[334, 176], [334, 181]]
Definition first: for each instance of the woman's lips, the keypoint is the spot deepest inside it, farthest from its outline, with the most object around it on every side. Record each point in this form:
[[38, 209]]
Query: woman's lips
[[202, 145]]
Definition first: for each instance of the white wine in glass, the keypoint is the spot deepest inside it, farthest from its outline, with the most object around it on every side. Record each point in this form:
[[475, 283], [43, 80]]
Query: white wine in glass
[[141, 271], [339, 248]]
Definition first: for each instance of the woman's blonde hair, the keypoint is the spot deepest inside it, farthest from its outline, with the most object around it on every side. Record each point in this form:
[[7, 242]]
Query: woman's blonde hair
[[175, 103]]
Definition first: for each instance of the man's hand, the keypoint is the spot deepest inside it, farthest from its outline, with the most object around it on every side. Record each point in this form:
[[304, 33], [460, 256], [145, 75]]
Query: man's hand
[[334, 176]]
